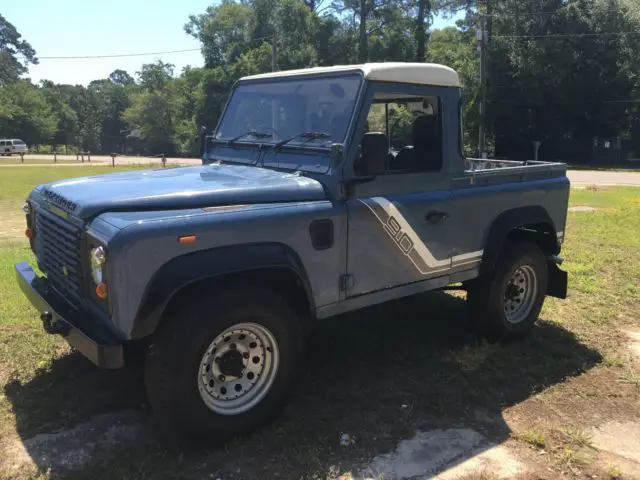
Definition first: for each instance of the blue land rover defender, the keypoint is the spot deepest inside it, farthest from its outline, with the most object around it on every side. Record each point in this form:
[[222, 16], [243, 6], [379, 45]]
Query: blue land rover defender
[[321, 191]]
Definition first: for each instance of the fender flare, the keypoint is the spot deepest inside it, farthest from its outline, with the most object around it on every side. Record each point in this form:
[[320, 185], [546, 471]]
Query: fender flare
[[185, 270], [507, 222]]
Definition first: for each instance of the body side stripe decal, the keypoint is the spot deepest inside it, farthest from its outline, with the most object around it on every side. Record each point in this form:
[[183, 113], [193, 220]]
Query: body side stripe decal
[[410, 244]]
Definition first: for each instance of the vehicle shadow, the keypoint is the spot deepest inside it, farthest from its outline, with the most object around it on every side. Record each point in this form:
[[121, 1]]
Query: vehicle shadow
[[378, 375]]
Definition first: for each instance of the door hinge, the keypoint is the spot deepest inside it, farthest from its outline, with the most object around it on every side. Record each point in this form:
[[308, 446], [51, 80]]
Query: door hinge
[[346, 282]]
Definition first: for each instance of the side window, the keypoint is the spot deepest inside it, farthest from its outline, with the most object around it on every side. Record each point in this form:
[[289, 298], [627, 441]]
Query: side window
[[414, 129]]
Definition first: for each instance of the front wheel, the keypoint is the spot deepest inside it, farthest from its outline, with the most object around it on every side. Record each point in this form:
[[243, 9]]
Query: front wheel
[[506, 303], [222, 366]]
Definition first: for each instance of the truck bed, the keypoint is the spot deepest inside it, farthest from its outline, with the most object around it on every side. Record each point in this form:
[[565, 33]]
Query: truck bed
[[488, 171]]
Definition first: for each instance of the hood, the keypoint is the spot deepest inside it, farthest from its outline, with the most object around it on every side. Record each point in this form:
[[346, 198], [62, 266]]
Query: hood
[[180, 188]]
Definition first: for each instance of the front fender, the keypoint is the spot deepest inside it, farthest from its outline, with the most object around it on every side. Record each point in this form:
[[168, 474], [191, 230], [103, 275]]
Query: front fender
[[187, 269]]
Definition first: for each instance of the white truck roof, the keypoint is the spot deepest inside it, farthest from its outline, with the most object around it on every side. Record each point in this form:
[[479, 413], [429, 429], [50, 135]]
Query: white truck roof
[[401, 72]]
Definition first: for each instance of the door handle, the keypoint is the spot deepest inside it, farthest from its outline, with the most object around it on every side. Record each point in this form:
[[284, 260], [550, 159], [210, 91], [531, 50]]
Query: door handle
[[435, 217]]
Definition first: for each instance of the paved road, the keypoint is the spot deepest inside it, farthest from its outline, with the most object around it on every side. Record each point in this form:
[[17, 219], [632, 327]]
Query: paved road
[[592, 177]]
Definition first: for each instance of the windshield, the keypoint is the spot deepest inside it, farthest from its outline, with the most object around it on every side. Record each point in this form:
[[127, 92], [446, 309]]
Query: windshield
[[313, 111]]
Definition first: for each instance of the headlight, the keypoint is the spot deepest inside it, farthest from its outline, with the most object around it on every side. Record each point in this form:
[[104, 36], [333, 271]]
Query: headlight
[[98, 258]]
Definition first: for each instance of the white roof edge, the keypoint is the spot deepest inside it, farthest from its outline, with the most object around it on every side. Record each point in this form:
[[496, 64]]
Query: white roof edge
[[401, 72]]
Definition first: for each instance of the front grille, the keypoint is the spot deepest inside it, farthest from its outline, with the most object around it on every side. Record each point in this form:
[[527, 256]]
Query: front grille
[[58, 247]]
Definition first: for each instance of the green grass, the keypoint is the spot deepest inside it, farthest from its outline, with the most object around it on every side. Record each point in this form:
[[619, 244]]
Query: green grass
[[23, 346], [25, 350], [602, 252], [534, 437], [360, 369]]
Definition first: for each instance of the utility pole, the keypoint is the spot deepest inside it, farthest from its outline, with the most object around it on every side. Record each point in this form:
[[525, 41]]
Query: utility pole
[[481, 37], [274, 54]]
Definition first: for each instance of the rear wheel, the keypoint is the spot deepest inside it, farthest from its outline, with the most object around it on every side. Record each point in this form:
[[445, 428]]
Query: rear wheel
[[506, 303], [221, 367]]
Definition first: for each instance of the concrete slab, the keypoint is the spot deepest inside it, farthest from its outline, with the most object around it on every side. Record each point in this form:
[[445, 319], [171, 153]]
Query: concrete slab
[[620, 439], [445, 455], [72, 448]]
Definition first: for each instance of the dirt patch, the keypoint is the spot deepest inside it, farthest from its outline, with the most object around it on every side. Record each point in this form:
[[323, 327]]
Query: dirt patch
[[429, 453], [635, 343], [582, 208], [73, 448]]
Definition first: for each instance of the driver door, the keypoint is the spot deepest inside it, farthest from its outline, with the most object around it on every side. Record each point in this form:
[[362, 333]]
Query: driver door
[[399, 230]]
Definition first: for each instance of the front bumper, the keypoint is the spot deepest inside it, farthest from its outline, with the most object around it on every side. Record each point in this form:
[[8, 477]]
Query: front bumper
[[83, 332]]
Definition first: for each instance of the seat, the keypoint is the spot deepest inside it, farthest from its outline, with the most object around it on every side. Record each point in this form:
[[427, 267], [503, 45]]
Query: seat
[[426, 152], [427, 143]]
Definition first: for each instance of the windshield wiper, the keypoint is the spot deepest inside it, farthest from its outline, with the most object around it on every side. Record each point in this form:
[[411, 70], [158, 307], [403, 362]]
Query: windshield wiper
[[253, 133], [308, 135]]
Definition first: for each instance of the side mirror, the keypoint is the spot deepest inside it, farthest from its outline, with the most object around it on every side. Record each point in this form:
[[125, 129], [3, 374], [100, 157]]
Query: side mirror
[[375, 152], [203, 141]]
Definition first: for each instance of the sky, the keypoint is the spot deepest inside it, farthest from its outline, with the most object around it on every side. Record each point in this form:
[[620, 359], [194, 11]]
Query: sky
[[65, 28]]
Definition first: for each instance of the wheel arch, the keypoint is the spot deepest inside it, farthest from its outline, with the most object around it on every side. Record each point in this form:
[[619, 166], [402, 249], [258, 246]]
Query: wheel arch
[[273, 264], [531, 223]]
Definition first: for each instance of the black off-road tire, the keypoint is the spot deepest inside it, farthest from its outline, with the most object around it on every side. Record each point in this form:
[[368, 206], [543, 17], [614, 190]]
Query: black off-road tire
[[173, 363], [491, 295]]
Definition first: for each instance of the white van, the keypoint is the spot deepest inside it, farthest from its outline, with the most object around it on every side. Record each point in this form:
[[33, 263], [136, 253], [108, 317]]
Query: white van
[[12, 145]]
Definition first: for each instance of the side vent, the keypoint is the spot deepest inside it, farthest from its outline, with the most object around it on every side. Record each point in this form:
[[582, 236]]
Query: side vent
[[321, 233]]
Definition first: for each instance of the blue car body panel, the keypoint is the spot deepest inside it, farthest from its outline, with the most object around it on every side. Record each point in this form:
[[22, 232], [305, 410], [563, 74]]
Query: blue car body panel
[[177, 188]]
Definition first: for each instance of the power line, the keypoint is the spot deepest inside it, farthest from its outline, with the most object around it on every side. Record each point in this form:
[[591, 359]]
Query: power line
[[565, 35], [119, 55], [542, 12], [122, 55]]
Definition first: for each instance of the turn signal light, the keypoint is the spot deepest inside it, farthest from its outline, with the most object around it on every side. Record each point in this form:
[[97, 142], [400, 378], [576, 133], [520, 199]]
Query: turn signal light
[[28, 233], [187, 240], [102, 291]]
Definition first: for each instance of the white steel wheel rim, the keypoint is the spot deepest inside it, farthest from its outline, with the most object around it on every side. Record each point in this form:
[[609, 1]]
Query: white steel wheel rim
[[238, 368], [520, 294]]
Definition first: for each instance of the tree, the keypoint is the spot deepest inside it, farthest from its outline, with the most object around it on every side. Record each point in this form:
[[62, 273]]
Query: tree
[[225, 31], [122, 78], [153, 110], [559, 77], [456, 49], [424, 11], [67, 119], [371, 17], [13, 46], [152, 113], [25, 114], [155, 77]]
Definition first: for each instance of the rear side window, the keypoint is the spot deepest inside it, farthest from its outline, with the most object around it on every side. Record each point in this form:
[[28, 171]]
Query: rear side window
[[413, 126], [2, 143]]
